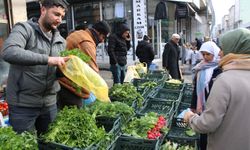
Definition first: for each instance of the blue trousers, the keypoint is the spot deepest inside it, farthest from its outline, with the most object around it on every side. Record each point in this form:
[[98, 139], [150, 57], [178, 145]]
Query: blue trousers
[[30, 119], [118, 73]]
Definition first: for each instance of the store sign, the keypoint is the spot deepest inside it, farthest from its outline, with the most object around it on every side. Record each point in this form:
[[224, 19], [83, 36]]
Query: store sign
[[140, 20], [195, 2]]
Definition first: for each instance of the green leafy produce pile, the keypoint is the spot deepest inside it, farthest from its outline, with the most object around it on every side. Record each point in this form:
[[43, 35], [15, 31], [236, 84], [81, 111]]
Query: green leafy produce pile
[[149, 84], [77, 52], [125, 93], [74, 128], [174, 146], [113, 109], [140, 127], [10, 140], [190, 132]]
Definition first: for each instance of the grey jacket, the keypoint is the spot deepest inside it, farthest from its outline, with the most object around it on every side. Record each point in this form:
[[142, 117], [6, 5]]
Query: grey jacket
[[31, 82], [226, 117]]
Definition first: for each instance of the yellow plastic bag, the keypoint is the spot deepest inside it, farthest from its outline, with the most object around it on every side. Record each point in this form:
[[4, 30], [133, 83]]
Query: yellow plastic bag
[[141, 68], [131, 73], [80, 73]]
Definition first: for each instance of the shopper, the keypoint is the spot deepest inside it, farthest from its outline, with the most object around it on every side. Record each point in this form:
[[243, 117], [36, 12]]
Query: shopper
[[86, 40], [145, 51], [170, 57], [118, 45], [32, 49], [225, 118], [205, 72]]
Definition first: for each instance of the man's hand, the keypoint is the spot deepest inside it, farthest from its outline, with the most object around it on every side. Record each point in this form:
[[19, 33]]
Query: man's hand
[[57, 61]]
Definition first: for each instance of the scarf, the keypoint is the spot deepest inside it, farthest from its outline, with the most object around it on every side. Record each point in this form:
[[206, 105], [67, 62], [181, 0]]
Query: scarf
[[235, 62], [204, 73]]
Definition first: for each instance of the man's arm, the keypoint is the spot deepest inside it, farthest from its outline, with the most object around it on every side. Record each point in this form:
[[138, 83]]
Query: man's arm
[[14, 48], [111, 47], [165, 56]]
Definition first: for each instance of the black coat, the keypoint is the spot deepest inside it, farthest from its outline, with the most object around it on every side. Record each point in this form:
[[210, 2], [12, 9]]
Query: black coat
[[145, 52], [170, 59], [117, 49]]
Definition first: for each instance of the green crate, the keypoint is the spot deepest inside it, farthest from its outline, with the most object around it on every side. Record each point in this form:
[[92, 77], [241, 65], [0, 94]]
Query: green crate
[[131, 143], [111, 125], [155, 76], [178, 129], [56, 146], [173, 95], [194, 144], [173, 86], [181, 107], [161, 107], [138, 82]]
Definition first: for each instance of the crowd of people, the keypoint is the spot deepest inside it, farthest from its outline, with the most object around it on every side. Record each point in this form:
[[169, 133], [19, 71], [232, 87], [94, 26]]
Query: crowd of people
[[220, 74]]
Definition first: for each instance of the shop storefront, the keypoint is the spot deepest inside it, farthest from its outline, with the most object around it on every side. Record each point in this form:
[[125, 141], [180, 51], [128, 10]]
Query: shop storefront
[[4, 31]]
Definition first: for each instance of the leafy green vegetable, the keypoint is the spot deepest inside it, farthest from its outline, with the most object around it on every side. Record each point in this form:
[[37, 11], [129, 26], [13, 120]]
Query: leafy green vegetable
[[77, 52], [190, 132], [74, 128], [10, 140], [139, 127], [125, 93], [113, 109], [149, 84], [175, 146]]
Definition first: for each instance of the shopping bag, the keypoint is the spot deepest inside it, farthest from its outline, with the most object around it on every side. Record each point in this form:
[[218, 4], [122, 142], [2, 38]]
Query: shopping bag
[[141, 68], [131, 73], [84, 76]]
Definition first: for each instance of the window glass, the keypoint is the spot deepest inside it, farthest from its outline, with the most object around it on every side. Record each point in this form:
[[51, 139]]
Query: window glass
[[4, 30]]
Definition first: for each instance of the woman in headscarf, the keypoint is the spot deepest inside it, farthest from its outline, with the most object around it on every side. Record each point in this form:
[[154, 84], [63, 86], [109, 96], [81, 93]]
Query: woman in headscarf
[[205, 72], [226, 116]]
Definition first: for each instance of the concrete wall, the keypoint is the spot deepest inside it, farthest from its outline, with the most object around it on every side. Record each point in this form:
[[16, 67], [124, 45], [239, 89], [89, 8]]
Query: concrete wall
[[19, 13]]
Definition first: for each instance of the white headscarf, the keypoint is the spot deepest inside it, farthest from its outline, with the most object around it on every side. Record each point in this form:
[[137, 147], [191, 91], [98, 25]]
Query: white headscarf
[[212, 48], [205, 72]]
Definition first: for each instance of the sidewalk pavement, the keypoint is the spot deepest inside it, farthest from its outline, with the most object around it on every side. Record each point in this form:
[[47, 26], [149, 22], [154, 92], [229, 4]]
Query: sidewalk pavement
[[103, 63]]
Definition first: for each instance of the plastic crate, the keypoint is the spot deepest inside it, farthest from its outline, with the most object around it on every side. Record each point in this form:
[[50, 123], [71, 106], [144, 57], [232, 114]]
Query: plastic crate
[[173, 95], [188, 90], [56, 146], [181, 107], [156, 76], [194, 144], [161, 107], [173, 86], [177, 132], [131, 143], [111, 125]]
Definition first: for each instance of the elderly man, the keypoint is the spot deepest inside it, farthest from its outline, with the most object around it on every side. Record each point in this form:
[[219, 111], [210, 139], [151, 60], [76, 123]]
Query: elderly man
[[170, 57]]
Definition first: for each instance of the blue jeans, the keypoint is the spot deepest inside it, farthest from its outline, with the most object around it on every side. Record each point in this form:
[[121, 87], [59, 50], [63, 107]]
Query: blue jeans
[[118, 73], [28, 119]]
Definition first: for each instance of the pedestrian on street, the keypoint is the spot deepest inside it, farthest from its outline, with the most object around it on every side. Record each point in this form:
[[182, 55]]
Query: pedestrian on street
[[86, 40], [32, 49], [118, 45], [226, 116], [145, 51], [205, 73], [170, 57]]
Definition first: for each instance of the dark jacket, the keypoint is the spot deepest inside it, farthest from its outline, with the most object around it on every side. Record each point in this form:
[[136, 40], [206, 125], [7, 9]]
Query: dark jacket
[[145, 52], [170, 59], [117, 49], [31, 82]]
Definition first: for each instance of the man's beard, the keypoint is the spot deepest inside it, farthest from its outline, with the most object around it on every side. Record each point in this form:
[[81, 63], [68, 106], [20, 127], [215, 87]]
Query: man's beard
[[47, 26]]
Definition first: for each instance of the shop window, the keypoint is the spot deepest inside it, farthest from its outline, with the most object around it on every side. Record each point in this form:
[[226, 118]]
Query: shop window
[[86, 14], [4, 30]]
